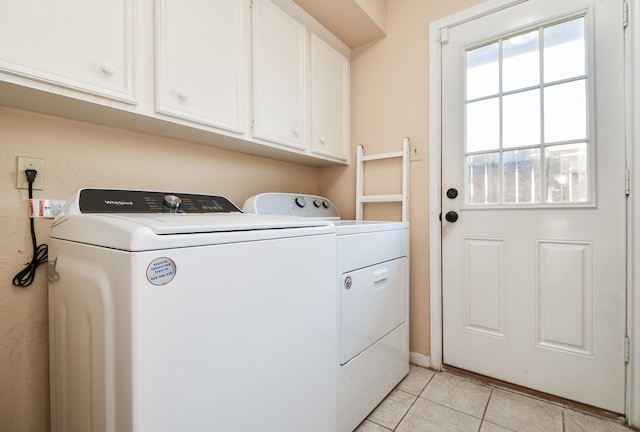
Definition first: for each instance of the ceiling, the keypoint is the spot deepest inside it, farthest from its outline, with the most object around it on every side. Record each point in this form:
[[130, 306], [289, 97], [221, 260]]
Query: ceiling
[[354, 22]]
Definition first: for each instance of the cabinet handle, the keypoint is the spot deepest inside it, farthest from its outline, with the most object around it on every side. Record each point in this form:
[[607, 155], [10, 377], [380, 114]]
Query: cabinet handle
[[183, 94], [108, 68], [295, 131]]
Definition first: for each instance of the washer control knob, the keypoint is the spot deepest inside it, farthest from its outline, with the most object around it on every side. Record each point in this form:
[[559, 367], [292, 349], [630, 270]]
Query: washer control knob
[[325, 204], [301, 202], [317, 203], [172, 201]]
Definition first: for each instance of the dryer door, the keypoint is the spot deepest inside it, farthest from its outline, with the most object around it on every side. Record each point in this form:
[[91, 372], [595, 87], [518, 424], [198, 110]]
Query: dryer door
[[373, 303]]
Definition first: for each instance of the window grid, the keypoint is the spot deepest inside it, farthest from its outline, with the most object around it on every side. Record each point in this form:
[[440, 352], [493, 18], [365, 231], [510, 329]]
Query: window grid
[[540, 188]]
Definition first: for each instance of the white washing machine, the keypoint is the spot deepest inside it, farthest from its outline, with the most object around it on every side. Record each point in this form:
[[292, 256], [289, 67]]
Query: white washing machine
[[372, 280], [176, 312]]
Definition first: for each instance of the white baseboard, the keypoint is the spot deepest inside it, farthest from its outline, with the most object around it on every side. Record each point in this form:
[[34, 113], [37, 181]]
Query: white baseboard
[[419, 360]]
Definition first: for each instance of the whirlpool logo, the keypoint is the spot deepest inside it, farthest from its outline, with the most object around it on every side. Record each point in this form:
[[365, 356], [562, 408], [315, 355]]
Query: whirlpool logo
[[118, 203]]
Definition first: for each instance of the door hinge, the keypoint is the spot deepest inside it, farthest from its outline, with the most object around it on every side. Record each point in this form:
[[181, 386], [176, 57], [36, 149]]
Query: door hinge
[[625, 14], [627, 182], [626, 349], [443, 36]]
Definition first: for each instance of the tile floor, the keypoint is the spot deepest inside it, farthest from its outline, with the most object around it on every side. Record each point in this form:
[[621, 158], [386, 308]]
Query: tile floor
[[441, 402]]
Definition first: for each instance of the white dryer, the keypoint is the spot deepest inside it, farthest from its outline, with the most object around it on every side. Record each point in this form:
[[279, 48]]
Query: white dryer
[[176, 312], [372, 281]]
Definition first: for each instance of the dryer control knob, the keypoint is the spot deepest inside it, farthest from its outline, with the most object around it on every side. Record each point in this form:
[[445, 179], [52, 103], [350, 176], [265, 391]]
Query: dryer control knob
[[317, 203], [172, 201], [301, 202], [325, 204]]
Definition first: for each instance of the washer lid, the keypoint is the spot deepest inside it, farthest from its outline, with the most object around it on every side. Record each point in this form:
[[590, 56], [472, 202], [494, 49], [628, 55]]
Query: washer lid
[[166, 229]]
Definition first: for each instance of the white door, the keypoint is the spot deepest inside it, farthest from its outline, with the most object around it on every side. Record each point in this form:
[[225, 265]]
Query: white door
[[280, 47], [202, 62], [79, 45], [533, 269], [329, 100]]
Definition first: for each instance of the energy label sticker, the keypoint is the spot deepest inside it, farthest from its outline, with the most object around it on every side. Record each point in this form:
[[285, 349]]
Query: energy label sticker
[[161, 271]]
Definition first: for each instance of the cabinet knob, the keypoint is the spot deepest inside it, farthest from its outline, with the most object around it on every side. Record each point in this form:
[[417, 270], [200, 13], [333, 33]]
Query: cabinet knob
[[295, 131], [323, 140], [183, 94], [108, 68]]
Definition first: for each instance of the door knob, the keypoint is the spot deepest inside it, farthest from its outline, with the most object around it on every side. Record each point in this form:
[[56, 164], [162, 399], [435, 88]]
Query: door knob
[[451, 216], [452, 193]]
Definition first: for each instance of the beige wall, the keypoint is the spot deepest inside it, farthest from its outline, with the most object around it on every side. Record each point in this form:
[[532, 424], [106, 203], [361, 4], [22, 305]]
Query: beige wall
[[389, 100]]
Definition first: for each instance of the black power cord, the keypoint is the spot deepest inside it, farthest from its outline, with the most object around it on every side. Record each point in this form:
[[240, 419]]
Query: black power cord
[[40, 253]]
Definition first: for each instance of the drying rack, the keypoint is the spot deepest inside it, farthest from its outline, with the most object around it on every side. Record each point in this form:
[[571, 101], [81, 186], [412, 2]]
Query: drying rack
[[402, 197]]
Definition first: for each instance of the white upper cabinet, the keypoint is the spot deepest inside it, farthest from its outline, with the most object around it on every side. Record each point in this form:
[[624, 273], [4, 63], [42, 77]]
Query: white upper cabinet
[[329, 100], [255, 76], [300, 83], [279, 77], [202, 53], [76, 44]]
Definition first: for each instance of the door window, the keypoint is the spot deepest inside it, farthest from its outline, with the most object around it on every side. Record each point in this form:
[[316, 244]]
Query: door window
[[527, 139]]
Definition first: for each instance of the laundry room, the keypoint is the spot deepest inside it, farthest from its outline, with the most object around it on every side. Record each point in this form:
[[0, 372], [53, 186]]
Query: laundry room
[[107, 139]]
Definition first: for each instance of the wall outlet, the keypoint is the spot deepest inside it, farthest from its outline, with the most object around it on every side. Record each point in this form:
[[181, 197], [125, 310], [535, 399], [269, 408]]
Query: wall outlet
[[25, 163], [415, 149]]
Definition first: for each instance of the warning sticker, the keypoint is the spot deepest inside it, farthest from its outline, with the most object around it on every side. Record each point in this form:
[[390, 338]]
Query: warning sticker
[[161, 271]]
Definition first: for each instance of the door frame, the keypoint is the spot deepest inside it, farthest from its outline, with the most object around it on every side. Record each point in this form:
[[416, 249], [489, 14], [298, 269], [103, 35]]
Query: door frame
[[632, 69]]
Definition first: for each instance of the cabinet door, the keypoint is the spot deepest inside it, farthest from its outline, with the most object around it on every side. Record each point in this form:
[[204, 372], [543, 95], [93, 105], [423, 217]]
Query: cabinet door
[[279, 100], [202, 61], [86, 46], [329, 100]]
